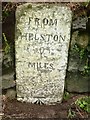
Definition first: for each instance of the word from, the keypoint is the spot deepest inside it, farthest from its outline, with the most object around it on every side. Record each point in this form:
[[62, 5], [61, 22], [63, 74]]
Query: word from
[[44, 21]]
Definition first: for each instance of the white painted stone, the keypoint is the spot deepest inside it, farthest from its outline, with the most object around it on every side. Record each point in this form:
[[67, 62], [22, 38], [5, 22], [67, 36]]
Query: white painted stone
[[41, 44]]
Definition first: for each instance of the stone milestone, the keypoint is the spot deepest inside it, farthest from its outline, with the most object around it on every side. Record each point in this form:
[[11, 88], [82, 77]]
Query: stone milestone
[[41, 44]]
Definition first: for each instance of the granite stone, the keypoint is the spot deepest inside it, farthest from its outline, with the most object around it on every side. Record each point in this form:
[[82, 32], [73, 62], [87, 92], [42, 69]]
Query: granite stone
[[41, 44]]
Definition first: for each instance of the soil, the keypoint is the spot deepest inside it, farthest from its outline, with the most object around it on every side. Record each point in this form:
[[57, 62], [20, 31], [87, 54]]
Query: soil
[[15, 110]]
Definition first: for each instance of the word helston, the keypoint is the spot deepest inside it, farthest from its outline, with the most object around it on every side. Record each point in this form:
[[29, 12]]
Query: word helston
[[42, 37]]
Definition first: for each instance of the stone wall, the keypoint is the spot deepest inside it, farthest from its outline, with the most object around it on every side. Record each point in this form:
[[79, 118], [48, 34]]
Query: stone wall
[[78, 71]]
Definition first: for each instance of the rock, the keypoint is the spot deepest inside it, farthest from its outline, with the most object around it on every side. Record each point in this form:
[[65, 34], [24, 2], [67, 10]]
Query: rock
[[76, 82], [73, 64], [7, 70], [7, 60], [78, 78], [10, 94], [82, 65], [41, 52], [82, 39], [80, 23], [8, 81], [74, 38]]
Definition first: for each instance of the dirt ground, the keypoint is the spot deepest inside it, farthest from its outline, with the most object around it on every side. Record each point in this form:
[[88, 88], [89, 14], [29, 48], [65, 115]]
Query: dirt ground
[[15, 110]]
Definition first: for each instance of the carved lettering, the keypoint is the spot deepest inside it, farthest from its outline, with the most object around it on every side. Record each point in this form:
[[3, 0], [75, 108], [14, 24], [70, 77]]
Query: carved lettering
[[41, 66], [30, 36], [31, 65], [44, 21], [37, 21], [24, 36], [42, 37], [53, 22]]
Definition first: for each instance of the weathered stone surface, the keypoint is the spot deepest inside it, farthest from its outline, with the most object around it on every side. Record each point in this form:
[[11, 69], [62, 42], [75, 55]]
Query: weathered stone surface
[[41, 44]]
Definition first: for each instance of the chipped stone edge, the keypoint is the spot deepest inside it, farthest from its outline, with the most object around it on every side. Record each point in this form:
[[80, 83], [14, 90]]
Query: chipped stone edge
[[25, 5]]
